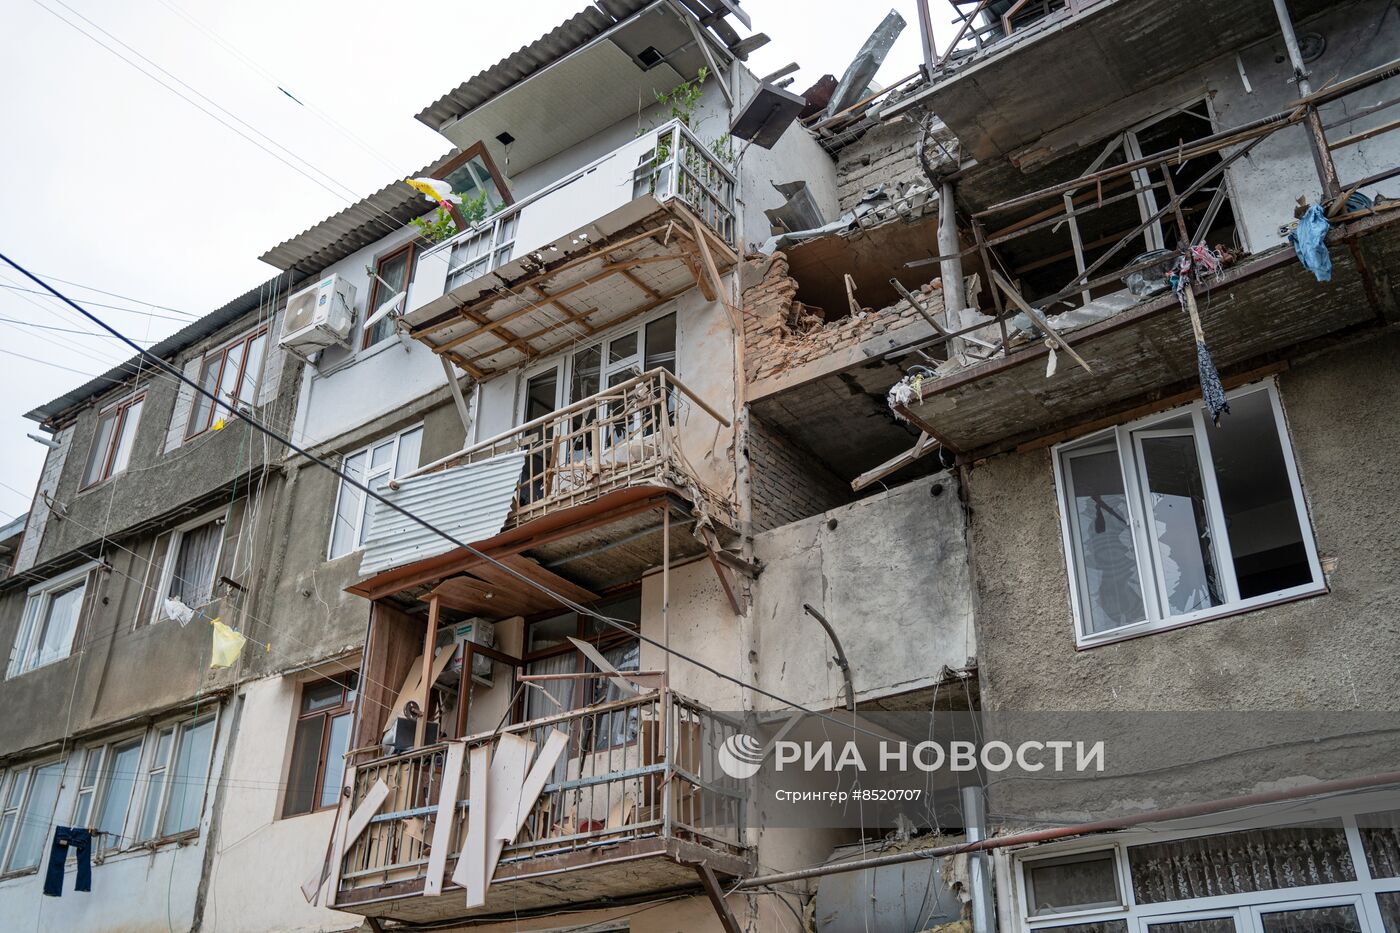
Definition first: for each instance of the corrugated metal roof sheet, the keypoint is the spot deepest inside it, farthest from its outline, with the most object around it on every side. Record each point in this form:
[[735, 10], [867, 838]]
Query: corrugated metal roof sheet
[[362, 223], [574, 33], [279, 285], [469, 502]]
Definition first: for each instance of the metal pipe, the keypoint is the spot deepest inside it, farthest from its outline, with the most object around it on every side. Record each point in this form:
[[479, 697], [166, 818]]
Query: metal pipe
[[840, 658], [951, 269], [1295, 54], [1064, 832], [975, 828]]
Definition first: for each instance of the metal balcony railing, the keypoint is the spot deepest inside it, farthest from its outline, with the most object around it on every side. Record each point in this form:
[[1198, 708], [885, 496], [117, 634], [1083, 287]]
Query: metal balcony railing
[[625, 435], [668, 162], [634, 769]]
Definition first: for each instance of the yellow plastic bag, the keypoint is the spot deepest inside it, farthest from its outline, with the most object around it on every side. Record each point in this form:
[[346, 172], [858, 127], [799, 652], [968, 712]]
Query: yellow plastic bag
[[228, 644]]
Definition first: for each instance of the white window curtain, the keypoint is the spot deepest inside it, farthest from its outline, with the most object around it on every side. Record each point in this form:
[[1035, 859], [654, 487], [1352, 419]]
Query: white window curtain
[[195, 564]]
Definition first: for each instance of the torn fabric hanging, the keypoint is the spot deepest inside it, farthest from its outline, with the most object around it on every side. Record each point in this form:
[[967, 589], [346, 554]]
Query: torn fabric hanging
[[1212, 391], [1309, 241], [228, 644]]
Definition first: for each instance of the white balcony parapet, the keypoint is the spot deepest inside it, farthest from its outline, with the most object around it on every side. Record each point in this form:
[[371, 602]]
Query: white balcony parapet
[[668, 163]]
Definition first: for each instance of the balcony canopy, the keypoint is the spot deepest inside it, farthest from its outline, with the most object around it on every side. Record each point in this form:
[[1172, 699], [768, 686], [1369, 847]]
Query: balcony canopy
[[582, 77], [636, 228]]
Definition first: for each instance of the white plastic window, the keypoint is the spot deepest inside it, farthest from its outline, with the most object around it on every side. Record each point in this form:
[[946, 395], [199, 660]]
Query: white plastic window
[[374, 466], [1173, 519]]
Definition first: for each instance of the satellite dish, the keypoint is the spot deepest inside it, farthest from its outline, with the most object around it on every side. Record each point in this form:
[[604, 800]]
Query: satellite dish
[[392, 306]]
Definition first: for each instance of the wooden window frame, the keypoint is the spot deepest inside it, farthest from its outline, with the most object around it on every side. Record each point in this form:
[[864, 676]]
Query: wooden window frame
[[478, 148], [123, 410], [231, 405], [21, 810], [347, 705], [411, 248], [99, 792], [180, 730]]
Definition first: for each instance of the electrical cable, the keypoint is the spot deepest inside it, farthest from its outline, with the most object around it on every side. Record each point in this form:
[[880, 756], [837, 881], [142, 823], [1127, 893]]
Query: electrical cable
[[424, 523], [55, 328], [98, 304], [319, 183]]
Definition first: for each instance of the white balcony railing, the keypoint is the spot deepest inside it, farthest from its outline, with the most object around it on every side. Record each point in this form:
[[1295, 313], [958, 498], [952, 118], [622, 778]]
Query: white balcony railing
[[667, 163]]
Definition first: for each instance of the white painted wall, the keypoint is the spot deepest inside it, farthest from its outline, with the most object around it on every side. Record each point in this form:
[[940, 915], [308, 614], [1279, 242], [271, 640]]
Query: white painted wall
[[261, 861], [133, 891], [889, 572], [348, 388]]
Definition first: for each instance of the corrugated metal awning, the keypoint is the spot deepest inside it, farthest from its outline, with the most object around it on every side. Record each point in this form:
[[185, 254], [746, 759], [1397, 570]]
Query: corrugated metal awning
[[469, 502]]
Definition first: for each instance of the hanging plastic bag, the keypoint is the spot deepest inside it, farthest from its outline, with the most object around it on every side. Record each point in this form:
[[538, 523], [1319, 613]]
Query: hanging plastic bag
[[228, 645]]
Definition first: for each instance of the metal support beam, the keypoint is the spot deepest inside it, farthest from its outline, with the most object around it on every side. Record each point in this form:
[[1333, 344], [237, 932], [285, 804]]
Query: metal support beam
[[457, 398], [712, 890]]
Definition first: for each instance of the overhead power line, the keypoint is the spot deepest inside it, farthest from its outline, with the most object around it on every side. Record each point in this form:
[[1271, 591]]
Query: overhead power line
[[374, 494]]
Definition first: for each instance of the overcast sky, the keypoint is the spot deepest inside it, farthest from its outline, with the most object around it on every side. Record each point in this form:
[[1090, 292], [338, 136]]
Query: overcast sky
[[109, 180]]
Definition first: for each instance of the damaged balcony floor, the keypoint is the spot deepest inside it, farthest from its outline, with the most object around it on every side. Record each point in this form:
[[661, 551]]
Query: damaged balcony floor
[[1254, 314], [651, 866]]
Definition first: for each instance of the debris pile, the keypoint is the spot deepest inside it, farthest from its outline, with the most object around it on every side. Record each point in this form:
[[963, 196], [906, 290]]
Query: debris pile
[[781, 333]]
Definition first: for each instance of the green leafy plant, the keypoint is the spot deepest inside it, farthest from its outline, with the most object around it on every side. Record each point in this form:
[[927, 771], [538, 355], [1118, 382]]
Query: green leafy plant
[[684, 96], [439, 226], [723, 149]]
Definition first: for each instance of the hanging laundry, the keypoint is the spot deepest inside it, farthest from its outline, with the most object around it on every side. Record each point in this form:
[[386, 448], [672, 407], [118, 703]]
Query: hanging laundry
[[434, 189], [228, 644], [1309, 241], [80, 841], [177, 610]]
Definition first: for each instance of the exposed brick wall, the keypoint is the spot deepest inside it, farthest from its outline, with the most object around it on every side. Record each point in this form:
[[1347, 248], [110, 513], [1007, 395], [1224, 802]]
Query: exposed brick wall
[[780, 333], [787, 482], [884, 154]]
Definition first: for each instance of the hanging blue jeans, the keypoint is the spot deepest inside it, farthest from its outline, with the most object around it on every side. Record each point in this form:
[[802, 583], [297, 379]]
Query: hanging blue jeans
[[80, 841]]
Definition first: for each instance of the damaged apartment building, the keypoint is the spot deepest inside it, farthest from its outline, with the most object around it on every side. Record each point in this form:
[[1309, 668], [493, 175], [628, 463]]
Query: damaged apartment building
[[970, 393]]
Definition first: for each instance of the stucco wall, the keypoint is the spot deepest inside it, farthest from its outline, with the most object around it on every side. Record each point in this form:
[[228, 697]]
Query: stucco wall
[[248, 891], [157, 481], [1335, 651], [106, 678], [891, 576], [308, 615]]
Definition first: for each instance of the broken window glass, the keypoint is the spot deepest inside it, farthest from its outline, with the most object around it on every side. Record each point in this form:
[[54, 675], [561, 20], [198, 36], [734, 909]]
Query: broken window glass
[[1109, 587], [1212, 515], [1182, 541]]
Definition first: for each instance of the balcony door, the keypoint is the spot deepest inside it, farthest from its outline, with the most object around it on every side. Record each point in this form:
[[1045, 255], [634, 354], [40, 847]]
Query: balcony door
[[544, 394]]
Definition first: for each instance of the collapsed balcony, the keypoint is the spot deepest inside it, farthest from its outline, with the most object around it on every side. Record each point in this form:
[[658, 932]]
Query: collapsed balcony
[[632, 805], [627, 233], [1123, 332], [1018, 69]]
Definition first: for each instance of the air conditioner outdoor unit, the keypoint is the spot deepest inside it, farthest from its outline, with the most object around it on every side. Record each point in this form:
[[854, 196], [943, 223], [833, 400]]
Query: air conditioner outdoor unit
[[319, 316]]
